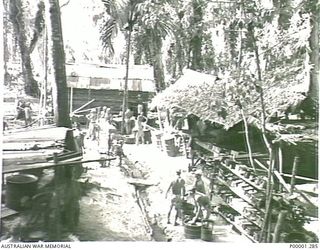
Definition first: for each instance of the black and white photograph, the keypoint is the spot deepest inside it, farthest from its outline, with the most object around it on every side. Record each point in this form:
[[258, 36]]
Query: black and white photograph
[[190, 122]]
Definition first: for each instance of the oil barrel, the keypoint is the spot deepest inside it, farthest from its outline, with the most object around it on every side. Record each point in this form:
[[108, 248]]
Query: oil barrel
[[170, 147], [18, 187], [192, 231], [206, 230]]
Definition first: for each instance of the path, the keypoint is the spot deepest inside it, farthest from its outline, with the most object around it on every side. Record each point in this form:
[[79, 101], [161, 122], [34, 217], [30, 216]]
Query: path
[[109, 213]]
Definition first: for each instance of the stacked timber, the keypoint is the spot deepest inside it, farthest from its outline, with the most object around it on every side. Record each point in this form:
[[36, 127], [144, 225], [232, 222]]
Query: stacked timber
[[53, 206]]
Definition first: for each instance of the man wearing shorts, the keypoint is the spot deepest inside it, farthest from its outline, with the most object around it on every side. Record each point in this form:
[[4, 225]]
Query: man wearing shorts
[[178, 190], [202, 201]]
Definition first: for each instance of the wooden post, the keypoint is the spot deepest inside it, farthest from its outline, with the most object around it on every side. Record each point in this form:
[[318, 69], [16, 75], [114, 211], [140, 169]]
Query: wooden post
[[71, 99], [159, 118], [268, 211], [278, 227], [56, 200], [294, 172], [246, 130]]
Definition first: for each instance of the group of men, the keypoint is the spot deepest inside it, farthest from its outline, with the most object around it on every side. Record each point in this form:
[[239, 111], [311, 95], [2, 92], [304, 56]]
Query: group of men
[[135, 125], [196, 196], [99, 119]]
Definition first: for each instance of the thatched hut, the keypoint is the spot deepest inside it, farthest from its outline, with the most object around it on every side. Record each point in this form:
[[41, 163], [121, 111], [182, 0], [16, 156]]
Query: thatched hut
[[214, 102]]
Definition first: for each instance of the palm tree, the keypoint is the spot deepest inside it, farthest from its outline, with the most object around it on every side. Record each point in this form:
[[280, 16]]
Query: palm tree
[[57, 61], [154, 24], [196, 27], [123, 16]]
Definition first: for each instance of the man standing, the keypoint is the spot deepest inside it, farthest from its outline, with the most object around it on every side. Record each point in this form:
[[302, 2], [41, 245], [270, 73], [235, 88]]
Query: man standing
[[178, 190], [127, 121], [139, 127], [27, 113], [199, 184]]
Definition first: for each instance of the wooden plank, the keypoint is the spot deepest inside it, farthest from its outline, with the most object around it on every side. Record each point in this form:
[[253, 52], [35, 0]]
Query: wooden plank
[[301, 177], [73, 161], [238, 227], [281, 180], [7, 212], [27, 157], [242, 178], [25, 146], [51, 134]]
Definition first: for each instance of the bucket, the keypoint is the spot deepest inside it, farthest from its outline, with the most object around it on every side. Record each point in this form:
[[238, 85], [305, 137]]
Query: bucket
[[206, 230], [192, 231], [18, 187], [170, 147]]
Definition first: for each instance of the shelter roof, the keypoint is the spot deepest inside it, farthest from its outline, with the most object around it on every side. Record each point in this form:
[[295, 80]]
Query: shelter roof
[[111, 71], [213, 99]]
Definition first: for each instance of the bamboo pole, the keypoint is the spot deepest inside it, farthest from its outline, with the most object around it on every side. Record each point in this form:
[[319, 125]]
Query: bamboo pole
[[294, 172], [278, 226], [267, 217], [246, 129], [245, 123], [84, 105], [280, 156]]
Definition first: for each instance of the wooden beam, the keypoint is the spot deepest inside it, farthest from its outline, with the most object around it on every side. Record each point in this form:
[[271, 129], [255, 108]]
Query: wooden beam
[[300, 177], [85, 105], [294, 173], [12, 169], [281, 180]]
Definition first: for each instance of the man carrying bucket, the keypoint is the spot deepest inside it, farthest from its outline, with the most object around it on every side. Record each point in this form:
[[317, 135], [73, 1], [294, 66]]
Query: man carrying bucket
[[178, 190]]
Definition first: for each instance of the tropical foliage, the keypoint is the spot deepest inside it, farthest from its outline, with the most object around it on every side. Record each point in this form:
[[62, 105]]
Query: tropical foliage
[[255, 45]]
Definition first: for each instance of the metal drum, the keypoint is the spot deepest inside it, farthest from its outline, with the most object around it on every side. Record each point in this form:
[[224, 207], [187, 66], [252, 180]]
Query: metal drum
[[20, 186], [192, 231], [170, 147], [206, 230]]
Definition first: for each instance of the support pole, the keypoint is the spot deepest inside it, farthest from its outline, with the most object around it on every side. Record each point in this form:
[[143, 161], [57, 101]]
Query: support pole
[[56, 234], [294, 172], [71, 99], [278, 226]]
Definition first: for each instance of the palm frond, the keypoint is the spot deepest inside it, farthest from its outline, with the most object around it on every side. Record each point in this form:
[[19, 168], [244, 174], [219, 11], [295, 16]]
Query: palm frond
[[108, 31]]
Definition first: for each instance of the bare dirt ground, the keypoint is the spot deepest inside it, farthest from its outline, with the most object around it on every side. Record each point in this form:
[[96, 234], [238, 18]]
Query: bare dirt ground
[[109, 211]]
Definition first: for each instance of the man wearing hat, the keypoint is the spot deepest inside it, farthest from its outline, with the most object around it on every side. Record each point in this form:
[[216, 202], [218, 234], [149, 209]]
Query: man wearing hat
[[199, 184], [178, 191]]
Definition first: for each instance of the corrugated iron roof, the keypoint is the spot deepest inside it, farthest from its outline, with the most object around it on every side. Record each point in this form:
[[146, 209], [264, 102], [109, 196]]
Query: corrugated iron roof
[[106, 76]]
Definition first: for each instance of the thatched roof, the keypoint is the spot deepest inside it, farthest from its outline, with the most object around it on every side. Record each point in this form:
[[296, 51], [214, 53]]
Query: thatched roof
[[213, 99]]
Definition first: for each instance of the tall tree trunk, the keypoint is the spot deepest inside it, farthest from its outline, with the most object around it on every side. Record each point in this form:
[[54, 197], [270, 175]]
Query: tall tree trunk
[[156, 47], [6, 54], [125, 91], [16, 16], [57, 61], [196, 37], [314, 54]]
